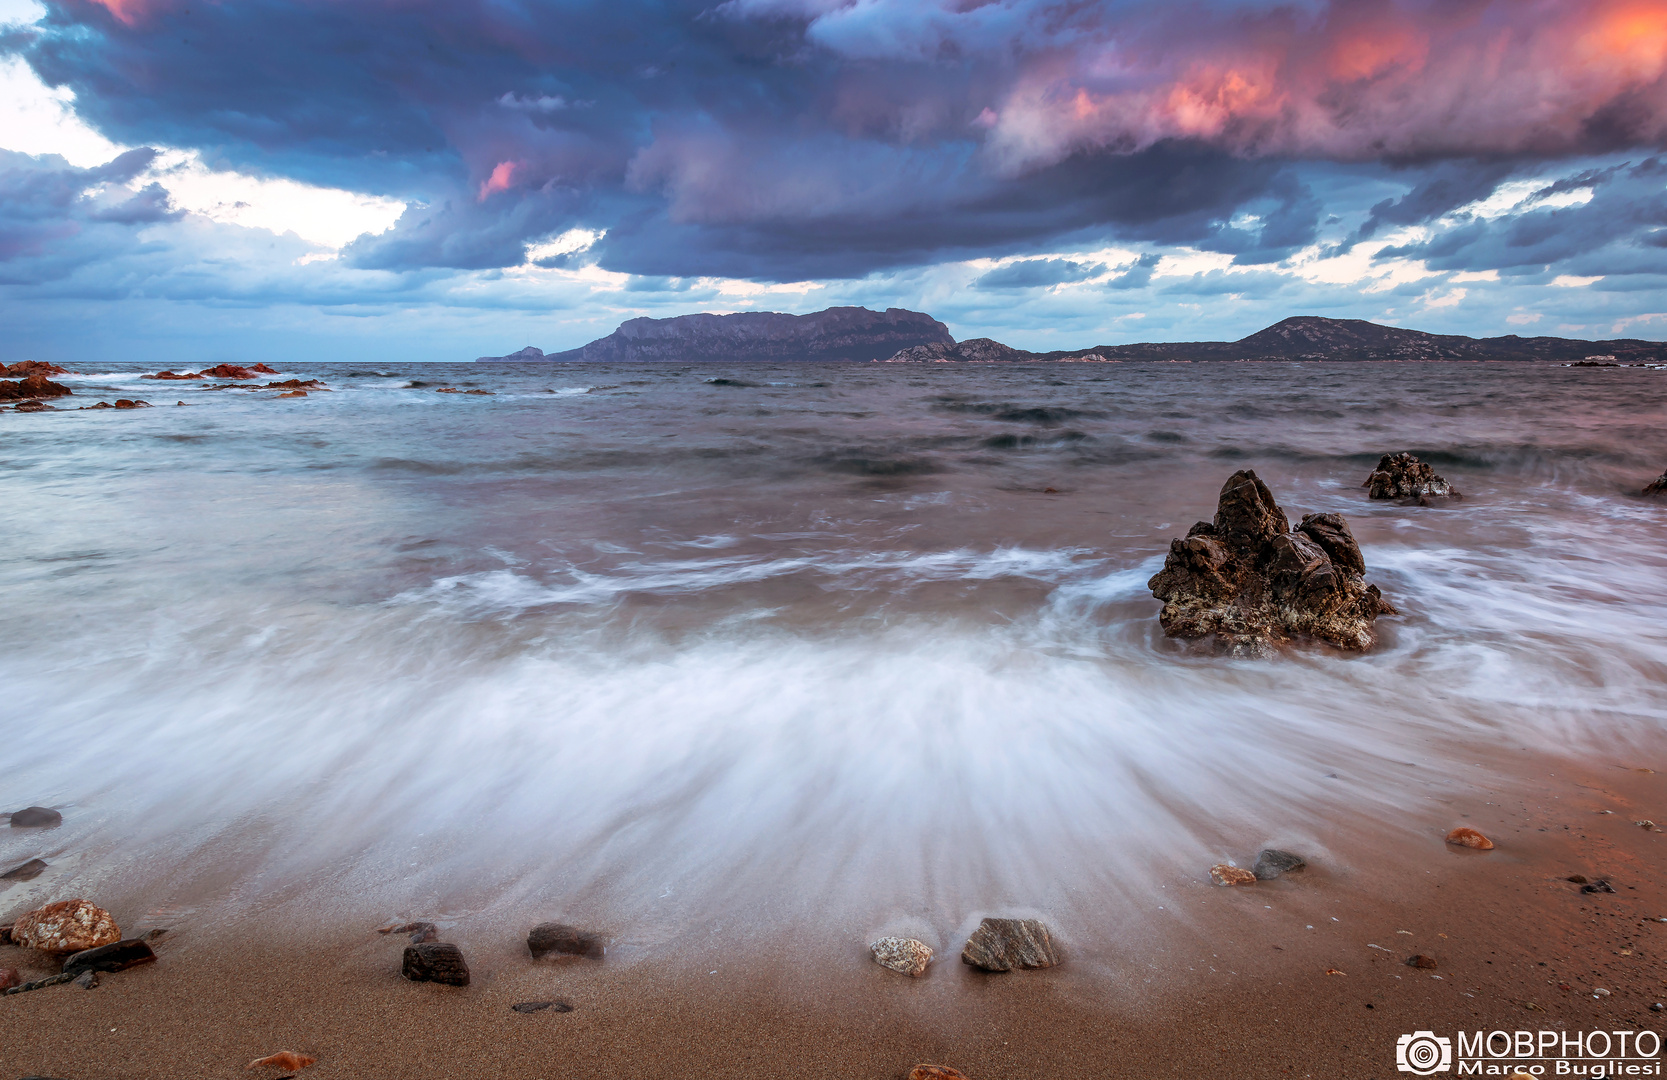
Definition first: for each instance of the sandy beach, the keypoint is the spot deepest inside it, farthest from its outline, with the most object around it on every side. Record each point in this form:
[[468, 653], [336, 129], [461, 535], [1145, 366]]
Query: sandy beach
[[1220, 981]]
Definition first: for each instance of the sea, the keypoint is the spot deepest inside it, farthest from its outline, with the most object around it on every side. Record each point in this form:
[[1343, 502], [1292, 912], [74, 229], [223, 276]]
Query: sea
[[669, 646]]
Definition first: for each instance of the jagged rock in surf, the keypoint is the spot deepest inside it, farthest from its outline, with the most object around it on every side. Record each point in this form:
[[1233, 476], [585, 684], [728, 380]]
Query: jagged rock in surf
[[1252, 581], [1658, 486], [1005, 944], [1402, 476]]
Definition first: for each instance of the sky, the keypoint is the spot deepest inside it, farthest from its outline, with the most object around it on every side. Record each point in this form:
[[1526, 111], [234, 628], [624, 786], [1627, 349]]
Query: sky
[[193, 181]]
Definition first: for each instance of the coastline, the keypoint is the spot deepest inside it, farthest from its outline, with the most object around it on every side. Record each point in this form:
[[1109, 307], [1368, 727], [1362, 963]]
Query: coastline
[[1222, 981]]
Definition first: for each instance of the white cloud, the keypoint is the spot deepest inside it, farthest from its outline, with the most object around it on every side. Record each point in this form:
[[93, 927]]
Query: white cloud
[[1570, 281], [36, 119], [568, 243]]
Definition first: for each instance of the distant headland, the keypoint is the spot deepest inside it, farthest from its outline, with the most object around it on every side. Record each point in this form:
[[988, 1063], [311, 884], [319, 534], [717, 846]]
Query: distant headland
[[855, 333]]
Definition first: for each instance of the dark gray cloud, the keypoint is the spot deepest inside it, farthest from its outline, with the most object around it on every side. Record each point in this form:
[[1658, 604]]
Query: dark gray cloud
[[1037, 273]]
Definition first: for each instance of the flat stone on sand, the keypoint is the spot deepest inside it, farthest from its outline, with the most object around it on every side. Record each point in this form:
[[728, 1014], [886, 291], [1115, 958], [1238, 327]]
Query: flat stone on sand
[[1231, 875], [547, 938], [29, 871], [117, 957], [287, 1060], [435, 961], [902, 954], [936, 1072], [1005, 944], [1464, 836]]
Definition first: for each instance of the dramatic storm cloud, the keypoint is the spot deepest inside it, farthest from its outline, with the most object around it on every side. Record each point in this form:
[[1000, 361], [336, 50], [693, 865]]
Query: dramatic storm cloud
[[1025, 168]]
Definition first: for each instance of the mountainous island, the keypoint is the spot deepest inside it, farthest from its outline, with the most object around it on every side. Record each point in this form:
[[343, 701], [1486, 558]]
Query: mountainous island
[[855, 333]]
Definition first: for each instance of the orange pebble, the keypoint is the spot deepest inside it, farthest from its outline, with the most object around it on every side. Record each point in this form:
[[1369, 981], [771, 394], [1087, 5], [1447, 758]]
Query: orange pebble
[[283, 1059], [1468, 837]]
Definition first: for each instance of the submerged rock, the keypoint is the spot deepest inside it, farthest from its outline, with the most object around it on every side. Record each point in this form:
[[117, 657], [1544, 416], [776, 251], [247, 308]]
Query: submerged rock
[[902, 954], [1271, 862], [36, 817], [547, 938], [29, 871], [229, 371], [1465, 836], [1251, 580], [435, 961], [69, 926], [1005, 944], [1223, 874], [1658, 486]]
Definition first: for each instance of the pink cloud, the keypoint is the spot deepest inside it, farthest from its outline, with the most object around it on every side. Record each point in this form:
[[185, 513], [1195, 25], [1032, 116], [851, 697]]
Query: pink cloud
[[502, 176]]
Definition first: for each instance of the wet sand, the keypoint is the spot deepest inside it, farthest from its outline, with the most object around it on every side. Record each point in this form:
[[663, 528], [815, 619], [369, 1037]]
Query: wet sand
[[1218, 982]]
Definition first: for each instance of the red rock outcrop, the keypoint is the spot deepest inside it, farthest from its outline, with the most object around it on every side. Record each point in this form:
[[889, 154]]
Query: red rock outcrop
[[30, 387]]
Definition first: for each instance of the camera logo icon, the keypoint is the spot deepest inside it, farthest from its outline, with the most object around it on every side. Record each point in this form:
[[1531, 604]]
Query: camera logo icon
[[1423, 1053]]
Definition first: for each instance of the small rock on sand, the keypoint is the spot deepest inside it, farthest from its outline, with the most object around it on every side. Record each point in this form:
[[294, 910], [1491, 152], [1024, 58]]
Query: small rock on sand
[[69, 926], [1598, 886], [1231, 875], [902, 954], [435, 961], [283, 1059], [29, 871], [540, 1006], [1004, 944], [1271, 862], [1419, 960], [1578, 879], [420, 931], [87, 980], [547, 938], [1464, 836], [936, 1072], [9, 978], [36, 817]]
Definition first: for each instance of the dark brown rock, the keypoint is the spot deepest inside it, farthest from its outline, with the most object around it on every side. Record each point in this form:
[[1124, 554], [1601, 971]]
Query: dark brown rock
[[128, 403], [35, 385], [936, 1072], [547, 938], [169, 376], [86, 980], [9, 978], [29, 871], [1251, 580], [34, 406], [36, 817], [1402, 476], [263, 369], [117, 957], [1005, 944], [295, 384], [1657, 486], [1271, 862], [228, 371], [1421, 961], [435, 961]]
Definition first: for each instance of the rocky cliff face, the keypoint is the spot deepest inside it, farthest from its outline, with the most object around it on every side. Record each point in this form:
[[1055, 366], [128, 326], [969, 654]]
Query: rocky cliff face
[[841, 333]]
